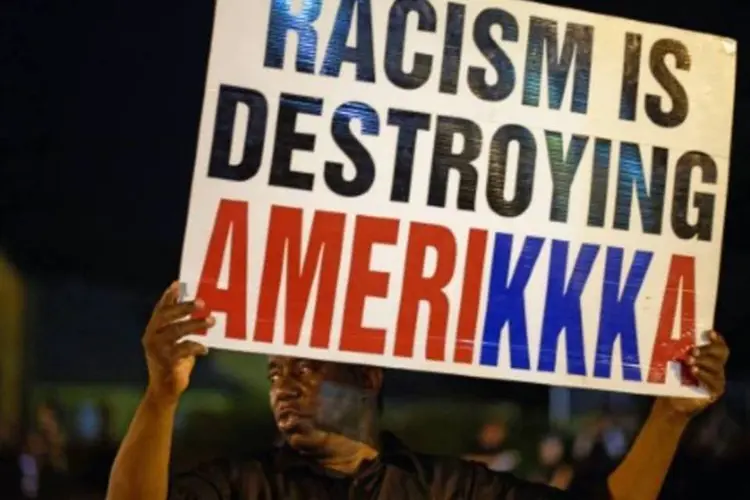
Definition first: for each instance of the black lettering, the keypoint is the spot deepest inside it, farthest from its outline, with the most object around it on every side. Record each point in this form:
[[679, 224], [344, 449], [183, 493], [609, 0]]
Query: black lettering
[[444, 160], [394, 44], [599, 183], [631, 73], [354, 150], [221, 146], [564, 168], [498, 166], [498, 59], [669, 82], [288, 140], [409, 123], [454, 40], [703, 202], [579, 41]]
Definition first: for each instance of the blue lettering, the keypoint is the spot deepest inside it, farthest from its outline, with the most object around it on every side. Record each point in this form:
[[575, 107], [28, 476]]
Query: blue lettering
[[506, 303], [617, 314], [562, 308], [362, 54], [280, 22], [631, 175]]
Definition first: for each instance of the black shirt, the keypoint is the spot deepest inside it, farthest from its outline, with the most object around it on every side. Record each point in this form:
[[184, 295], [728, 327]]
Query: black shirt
[[398, 473]]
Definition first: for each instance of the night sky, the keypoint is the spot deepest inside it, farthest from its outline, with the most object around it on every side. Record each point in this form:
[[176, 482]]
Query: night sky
[[99, 110]]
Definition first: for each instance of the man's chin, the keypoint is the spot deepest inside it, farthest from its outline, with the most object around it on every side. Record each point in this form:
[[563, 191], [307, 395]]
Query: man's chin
[[292, 423], [305, 438]]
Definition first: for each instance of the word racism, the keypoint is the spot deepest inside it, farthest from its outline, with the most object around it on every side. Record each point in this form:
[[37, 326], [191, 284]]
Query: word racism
[[305, 246]]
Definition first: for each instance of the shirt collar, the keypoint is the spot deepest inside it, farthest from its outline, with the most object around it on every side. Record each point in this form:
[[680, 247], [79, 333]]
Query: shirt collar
[[393, 452]]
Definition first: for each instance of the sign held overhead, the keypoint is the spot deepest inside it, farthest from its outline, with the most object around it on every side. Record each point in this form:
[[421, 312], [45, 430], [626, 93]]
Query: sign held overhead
[[497, 189]]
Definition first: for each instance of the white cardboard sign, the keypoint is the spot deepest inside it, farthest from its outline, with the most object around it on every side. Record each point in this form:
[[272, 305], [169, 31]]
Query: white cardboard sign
[[498, 189]]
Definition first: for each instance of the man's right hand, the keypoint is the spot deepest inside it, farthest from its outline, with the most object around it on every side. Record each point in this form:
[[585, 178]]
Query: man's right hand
[[170, 360]]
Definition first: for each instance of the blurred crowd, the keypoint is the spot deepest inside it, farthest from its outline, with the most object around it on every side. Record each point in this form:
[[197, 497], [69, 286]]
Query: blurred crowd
[[56, 458], [714, 455], [51, 460]]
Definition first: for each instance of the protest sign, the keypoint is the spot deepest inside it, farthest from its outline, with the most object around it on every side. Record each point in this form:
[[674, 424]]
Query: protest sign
[[497, 189]]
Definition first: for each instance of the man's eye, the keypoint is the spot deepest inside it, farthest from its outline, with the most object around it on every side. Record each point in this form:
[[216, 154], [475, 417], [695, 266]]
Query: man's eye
[[305, 369]]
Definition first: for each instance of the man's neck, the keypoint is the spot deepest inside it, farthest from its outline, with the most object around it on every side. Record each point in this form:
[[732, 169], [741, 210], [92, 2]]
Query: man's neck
[[349, 462]]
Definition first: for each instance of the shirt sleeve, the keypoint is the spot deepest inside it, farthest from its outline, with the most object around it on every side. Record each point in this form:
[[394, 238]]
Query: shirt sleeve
[[210, 481]]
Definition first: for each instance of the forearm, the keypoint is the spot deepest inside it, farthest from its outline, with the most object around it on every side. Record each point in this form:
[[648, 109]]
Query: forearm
[[641, 474], [141, 468]]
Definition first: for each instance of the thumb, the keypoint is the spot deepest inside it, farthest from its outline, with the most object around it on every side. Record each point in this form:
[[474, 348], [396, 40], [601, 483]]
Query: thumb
[[189, 349]]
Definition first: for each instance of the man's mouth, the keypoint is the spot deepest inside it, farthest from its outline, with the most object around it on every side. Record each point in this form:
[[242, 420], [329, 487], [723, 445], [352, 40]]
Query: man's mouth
[[289, 418]]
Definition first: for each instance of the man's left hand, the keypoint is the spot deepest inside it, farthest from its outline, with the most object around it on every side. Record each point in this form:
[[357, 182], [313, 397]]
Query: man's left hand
[[706, 363]]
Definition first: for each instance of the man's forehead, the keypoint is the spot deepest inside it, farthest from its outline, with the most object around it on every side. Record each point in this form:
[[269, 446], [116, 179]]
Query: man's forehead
[[278, 361], [289, 360]]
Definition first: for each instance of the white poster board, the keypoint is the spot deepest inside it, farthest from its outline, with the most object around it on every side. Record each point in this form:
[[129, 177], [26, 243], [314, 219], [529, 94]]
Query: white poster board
[[497, 189]]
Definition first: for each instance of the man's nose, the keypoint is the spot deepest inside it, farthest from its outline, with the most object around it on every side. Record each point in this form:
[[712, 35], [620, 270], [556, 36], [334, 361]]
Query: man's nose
[[287, 389]]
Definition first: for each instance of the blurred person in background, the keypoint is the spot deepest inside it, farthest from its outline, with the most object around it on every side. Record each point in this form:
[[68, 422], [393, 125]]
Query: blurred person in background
[[492, 450], [554, 465], [43, 460], [99, 448], [328, 414], [598, 447], [52, 432]]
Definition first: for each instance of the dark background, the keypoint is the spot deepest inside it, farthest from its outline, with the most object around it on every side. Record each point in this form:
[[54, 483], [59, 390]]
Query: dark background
[[100, 105], [99, 110]]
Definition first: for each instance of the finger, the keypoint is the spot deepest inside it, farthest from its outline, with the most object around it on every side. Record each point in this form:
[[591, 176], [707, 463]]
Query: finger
[[711, 381], [178, 311], [189, 349], [716, 351], [166, 297], [175, 331], [716, 337], [710, 350], [708, 364]]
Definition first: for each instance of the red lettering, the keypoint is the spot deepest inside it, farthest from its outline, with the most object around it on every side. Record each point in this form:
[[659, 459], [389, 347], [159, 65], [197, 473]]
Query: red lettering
[[469, 310], [321, 258], [364, 282], [230, 223], [681, 278], [417, 288]]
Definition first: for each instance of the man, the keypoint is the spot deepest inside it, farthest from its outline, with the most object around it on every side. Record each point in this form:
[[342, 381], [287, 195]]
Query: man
[[328, 416]]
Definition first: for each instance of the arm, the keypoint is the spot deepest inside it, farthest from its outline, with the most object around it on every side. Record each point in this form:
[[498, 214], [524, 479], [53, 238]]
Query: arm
[[642, 472], [141, 469]]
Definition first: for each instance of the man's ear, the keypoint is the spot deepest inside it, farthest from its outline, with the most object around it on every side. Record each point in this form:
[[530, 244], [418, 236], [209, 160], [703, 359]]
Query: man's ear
[[373, 378]]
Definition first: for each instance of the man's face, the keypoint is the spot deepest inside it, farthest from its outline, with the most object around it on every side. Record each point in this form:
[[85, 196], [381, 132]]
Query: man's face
[[309, 396]]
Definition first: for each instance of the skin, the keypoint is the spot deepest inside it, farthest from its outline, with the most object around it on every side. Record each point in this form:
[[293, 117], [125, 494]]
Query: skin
[[310, 417], [307, 397]]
